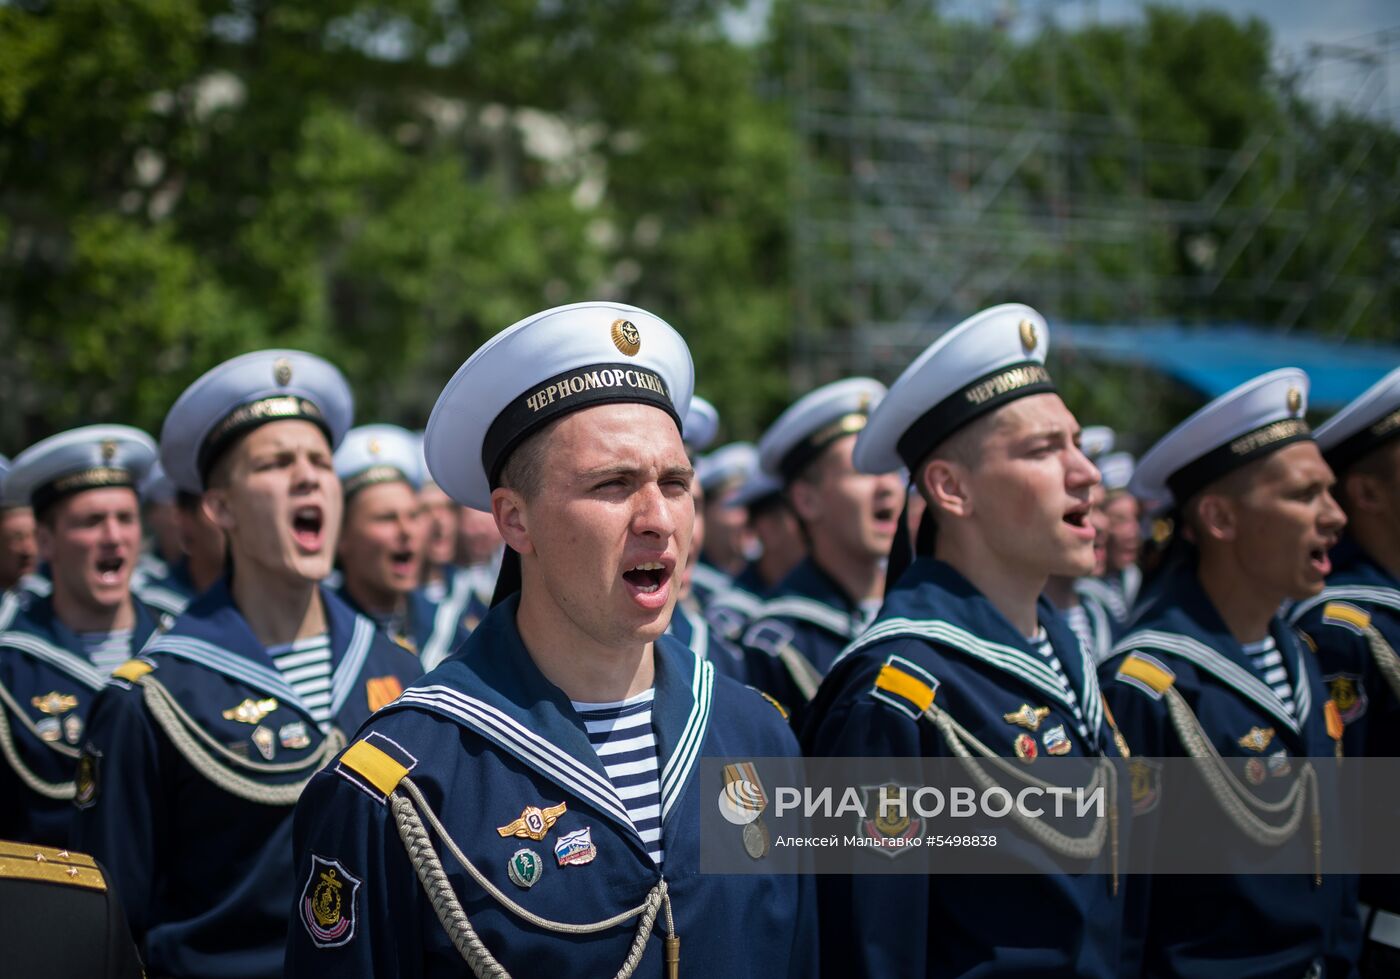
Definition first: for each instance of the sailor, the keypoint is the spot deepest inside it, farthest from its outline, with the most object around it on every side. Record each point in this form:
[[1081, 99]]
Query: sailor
[[780, 548], [197, 750], [1124, 513], [1087, 602], [161, 578], [730, 541], [533, 805], [458, 585], [19, 550], [57, 649], [380, 552], [849, 520], [966, 659], [1211, 671], [1354, 623]]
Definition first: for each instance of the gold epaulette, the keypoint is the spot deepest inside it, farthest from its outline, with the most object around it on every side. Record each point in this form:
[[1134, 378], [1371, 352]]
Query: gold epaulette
[[26, 861], [905, 685], [1344, 613], [772, 700], [132, 670], [1147, 671], [376, 769]]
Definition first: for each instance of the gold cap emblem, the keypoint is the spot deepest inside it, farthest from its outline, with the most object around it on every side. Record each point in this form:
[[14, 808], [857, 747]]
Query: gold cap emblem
[[626, 337], [282, 371], [109, 450], [373, 447], [1029, 336], [1162, 530], [1295, 400]]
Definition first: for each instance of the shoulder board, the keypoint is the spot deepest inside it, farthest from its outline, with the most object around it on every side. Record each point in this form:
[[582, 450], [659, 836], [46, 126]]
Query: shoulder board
[[905, 685], [772, 700], [132, 670], [1346, 615], [375, 765], [1147, 673], [23, 861]]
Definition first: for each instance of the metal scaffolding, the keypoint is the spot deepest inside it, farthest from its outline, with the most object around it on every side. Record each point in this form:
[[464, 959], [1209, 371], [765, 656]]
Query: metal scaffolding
[[943, 168]]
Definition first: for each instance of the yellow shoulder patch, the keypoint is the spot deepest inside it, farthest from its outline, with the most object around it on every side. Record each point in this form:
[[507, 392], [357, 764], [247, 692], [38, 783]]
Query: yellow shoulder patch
[[22, 861], [904, 684], [132, 670], [1343, 613], [1147, 671], [774, 701], [375, 766]]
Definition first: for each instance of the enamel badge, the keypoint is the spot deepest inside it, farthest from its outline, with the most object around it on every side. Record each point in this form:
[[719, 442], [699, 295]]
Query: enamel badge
[[1056, 741], [54, 702], [534, 823], [1257, 739], [1027, 716], [293, 735], [251, 711], [1025, 748], [328, 903], [525, 868], [265, 741], [576, 848]]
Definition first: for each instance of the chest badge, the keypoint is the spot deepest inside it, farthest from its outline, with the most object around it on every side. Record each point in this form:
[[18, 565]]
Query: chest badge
[[1025, 748], [1027, 717], [534, 823], [54, 702], [382, 690], [251, 711], [1257, 739], [1056, 741], [576, 848], [525, 868]]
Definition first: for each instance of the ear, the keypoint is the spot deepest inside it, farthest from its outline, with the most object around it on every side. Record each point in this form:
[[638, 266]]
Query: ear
[[805, 501], [1215, 517], [512, 519], [1364, 491], [43, 539], [945, 483], [217, 510]]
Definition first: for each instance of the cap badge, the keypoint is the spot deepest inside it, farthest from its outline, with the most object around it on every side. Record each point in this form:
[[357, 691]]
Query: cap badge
[[626, 337], [282, 371], [1029, 336], [373, 447], [1295, 400], [109, 450]]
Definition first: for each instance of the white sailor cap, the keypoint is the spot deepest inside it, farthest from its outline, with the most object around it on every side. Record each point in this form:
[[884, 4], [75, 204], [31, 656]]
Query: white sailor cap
[[541, 368], [730, 463], [241, 394], [425, 478], [1096, 440], [1255, 419], [986, 361], [758, 488], [157, 487], [1369, 422], [815, 421], [373, 454], [92, 457], [1115, 470], [701, 424]]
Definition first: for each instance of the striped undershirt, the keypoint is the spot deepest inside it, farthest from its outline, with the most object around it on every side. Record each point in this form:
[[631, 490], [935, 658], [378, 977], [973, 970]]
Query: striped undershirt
[[306, 666], [106, 650], [622, 735], [1268, 664], [1047, 651]]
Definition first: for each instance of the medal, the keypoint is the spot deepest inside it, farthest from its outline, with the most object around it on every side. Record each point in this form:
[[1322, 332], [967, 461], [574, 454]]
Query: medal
[[525, 868], [756, 839]]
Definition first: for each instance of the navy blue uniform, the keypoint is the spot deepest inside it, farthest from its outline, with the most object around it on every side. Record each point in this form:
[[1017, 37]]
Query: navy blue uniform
[[206, 874], [485, 736], [688, 625], [798, 633], [707, 581], [1104, 621], [432, 628], [938, 630], [47, 689], [1281, 925], [1361, 604], [164, 585]]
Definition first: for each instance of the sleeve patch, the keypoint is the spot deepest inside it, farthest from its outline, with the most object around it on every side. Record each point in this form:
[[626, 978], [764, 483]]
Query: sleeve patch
[[132, 670], [1147, 673], [1346, 615], [905, 685], [328, 902], [376, 765]]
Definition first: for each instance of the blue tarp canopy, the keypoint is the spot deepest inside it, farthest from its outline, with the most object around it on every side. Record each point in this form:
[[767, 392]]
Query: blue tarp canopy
[[1216, 359]]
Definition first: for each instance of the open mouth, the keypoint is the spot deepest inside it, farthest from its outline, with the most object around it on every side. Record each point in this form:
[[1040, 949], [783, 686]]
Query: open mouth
[[403, 562], [648, 581], [109, 569], [1319, 562], [307, 523], [886, 516], [1078, 518]]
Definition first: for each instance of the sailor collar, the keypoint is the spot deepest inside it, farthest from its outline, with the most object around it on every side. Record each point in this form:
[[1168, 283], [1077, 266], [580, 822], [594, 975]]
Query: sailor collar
[[934, 603], [493, 688], [214, 634], [1190, 627], [810, 594], [37, 632]]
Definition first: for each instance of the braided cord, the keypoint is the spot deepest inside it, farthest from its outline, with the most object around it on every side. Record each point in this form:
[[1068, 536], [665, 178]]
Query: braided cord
[[49, 790], [1387, 662], [406, 801], [186, 736]]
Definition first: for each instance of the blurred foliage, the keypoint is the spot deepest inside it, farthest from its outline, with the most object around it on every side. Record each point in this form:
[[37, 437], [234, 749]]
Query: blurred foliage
[[390, 183]]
